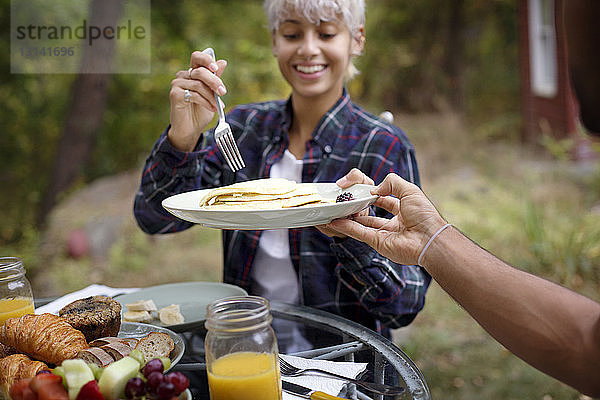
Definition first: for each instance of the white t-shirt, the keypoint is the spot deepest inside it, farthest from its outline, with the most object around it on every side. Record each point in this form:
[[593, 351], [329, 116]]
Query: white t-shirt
[[272, 270]]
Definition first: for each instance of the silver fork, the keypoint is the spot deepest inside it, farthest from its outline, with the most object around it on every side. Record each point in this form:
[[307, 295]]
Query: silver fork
[[224, 136], [289, 370]]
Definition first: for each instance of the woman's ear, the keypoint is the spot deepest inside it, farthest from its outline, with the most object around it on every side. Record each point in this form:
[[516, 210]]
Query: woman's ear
[[358, 42]]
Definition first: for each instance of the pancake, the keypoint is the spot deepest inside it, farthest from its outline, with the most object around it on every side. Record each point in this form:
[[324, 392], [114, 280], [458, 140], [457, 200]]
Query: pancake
[[269, 186], [261, 194], [299, 190]]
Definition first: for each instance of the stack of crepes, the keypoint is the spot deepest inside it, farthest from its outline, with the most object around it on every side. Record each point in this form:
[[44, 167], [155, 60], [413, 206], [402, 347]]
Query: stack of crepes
[[262, 194]]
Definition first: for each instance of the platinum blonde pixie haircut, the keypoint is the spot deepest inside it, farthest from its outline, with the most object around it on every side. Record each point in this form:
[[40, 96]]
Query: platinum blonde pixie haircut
[[350, 12]]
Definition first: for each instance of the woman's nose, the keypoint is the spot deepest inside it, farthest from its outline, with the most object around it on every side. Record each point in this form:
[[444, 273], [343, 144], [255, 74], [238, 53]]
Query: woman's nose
[[309, 46]]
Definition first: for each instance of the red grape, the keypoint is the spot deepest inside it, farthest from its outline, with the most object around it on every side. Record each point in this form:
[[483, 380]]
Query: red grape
[[43, 371], [179, 380], [154, 365], [153, 380], [165, 390], [135, 388]]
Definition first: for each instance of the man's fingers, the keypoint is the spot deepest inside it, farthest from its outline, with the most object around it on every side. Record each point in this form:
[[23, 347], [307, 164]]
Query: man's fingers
[[354, 176], [355, 230], [394, 185], [388, 203], [371, 222]]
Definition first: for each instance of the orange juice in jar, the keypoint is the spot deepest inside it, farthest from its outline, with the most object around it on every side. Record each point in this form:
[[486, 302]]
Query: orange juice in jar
[[16, 297], [241, 350], [246, 375]]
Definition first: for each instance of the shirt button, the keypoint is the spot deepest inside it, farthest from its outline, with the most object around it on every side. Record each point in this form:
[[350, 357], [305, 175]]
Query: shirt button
[[327, 149]]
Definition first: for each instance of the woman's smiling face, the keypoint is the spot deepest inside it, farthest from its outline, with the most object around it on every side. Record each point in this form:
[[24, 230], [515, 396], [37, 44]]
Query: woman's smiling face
[[313, 57]]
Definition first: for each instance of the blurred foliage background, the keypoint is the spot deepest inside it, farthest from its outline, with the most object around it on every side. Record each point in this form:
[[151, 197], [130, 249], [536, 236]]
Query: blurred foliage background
[[447, 69], [416, 60]]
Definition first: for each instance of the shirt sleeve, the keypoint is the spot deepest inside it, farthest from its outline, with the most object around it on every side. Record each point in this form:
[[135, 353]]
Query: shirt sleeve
[[393, 293], [169, 171]]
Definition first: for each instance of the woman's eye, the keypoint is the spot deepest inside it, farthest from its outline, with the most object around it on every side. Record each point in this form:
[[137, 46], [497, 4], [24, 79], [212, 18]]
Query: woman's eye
[[326, 36], [291, 36]]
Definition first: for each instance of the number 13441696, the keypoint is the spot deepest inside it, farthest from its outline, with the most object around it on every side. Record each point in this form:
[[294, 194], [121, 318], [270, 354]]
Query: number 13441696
[[58, 51]]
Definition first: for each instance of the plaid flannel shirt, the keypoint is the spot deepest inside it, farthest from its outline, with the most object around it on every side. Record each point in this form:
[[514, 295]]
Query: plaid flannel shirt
[[346, 277]]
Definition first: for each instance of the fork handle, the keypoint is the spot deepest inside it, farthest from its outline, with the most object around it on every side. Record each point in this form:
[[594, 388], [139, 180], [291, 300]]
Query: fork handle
[[211, 52]]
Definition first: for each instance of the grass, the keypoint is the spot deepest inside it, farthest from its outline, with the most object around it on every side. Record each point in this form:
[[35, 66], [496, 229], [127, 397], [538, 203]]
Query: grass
[[536, 212]]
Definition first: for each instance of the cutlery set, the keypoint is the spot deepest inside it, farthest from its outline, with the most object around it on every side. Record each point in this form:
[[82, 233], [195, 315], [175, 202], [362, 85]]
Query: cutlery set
[[289, 370]]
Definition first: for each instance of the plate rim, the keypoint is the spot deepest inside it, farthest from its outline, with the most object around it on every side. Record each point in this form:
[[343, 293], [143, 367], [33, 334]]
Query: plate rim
[[373, 197], [154, 328], [273, 218]]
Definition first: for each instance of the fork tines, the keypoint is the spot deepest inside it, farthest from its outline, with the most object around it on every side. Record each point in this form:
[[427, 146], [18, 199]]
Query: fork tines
[[224, 136], [226, 142]]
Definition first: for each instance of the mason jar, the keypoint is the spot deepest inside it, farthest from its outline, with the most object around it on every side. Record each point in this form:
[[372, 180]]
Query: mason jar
[[242, 359], [16, 297]]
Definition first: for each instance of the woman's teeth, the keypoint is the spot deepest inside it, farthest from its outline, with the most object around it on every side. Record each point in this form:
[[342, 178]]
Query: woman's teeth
[[310, 69]]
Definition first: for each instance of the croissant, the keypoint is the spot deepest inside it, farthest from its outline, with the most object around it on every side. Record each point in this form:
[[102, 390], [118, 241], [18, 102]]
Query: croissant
[[6, 350], [15, 367], [45, 337]]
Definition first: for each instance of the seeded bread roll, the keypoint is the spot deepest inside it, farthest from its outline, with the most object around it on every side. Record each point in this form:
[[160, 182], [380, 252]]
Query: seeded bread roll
[[96, 316]]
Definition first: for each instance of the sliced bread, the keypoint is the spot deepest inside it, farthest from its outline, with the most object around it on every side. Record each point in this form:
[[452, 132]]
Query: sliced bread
[[155, 344], [96, 355]]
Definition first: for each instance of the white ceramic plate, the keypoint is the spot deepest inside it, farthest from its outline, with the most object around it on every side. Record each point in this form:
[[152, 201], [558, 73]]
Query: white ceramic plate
[[138, 330], [187, 207], [192, 297]]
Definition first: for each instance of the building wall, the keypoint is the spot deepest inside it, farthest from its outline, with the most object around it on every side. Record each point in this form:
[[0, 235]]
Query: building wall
[[555, 116]]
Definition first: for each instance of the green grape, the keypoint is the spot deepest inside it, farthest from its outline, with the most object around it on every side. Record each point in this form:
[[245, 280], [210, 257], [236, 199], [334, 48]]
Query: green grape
[[166, 361], [138, 356]]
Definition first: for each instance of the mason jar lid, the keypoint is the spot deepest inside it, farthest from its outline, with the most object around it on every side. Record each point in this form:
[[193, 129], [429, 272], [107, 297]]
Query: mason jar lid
[[11, 268], [238, 314]]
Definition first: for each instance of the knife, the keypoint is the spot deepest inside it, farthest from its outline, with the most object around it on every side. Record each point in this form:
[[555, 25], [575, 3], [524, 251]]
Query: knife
[[306, 392]]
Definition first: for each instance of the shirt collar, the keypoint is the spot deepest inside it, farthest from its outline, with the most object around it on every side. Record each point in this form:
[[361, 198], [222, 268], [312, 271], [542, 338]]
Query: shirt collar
[[331, 123]]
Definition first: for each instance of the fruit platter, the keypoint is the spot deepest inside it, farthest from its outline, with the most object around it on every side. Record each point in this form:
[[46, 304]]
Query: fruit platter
[[86, 353]]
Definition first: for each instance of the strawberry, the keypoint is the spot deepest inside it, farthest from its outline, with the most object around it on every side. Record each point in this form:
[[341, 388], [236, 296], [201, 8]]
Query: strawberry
[[16, 390], [29, 394], [90, 391], [48, 387], [41, 380]]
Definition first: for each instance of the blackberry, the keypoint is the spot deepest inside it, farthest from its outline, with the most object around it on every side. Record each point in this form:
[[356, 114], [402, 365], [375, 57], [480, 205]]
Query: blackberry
[[346, 196]]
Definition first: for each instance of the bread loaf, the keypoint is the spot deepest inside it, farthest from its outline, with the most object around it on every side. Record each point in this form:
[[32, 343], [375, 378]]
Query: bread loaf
[[131, 342], [96, 355], [117, 350], [108, 349]]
